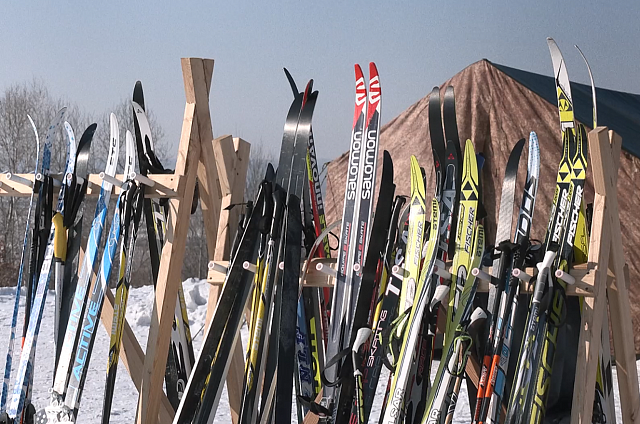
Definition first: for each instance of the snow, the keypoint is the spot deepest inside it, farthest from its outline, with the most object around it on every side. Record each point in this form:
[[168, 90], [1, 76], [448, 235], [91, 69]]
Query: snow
[[139, 316]]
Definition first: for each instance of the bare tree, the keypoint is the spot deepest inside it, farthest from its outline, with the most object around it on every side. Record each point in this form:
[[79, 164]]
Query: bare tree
[[18, 155], [259, 158]]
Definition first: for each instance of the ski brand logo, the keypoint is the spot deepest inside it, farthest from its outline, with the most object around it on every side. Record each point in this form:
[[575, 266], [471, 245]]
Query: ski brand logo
[[397, 401], [315, 363], [313, 163], [85, 339], [557, 229], [469, 235], [369, 164], [354, 165], [575, 213], [361, 92], [374, 90], [418, 245], [434, 416], [526, 210]]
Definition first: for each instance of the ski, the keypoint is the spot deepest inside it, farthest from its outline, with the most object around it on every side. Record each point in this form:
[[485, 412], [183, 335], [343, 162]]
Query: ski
[[443, 393], [501, 269], [266, 278], [288, 295], [73, 330], [82, 354], [394, 410], [289, 290], [222, 333], [16, 303], [74, 193], [509, 298], [24, 376], [351, 385], [386, 303], [467, 214], [341, 302], [60, 241], [438, 142], [131, 219]]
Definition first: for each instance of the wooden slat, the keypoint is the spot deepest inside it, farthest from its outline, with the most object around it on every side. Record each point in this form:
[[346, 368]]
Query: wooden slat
[[170, 268], [582, 273], [619, 304], [227, 161], [593, 308], [132, 356], [12, 188], [314, 278], [225, 156]]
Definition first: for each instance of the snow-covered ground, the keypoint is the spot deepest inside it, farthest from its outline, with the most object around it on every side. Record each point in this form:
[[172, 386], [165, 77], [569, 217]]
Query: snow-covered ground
[[139, 316]]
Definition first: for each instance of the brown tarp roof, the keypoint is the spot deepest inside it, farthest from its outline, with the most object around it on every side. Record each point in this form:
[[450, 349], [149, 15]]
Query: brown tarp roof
[[494, 110]]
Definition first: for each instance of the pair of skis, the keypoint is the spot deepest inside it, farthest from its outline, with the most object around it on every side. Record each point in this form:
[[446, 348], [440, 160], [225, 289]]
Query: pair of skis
[[511, 256], [565, 240], [81, 329], [272, 235], [52, 250], [354, 237]]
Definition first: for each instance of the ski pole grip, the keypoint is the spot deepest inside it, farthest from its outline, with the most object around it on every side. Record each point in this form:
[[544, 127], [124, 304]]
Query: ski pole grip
[[214, 266], [478, 273], [326, 269], [20, 180]]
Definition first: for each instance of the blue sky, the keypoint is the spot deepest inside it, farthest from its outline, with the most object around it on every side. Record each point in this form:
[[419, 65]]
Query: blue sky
[[91, 53]]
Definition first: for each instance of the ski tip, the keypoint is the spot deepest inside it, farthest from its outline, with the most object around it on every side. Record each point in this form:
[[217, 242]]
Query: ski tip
[[449, 92], [91, 129], [373, 69], [359, 73], [361, 94], [374, 94], [292, 82], [307, 91]]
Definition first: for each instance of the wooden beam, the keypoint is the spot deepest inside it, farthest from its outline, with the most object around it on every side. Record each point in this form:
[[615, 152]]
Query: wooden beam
[[618, 296], [170, 266], [12, 188], [226, 159], [232, 157], [582, 273], [593, 309], [132, 356]]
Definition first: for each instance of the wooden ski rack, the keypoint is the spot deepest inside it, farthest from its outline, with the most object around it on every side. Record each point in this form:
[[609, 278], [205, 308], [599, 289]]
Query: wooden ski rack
[[220, 166]]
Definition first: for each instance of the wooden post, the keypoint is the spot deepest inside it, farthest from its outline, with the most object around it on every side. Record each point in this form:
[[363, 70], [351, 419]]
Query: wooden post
[[606, 254], [232, 158], [132, 356], [194, 146]]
